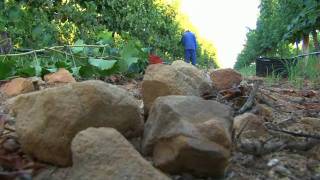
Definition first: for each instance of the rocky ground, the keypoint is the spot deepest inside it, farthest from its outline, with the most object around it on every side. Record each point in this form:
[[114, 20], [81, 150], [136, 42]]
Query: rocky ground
[[222, 127]]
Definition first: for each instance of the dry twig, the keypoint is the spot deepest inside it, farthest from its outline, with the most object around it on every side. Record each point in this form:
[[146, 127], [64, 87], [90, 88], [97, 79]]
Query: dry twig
[[273, 127], [251, 98]]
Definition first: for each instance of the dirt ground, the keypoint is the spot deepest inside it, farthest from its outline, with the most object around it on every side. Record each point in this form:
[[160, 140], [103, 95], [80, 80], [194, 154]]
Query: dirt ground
[[288, 148]]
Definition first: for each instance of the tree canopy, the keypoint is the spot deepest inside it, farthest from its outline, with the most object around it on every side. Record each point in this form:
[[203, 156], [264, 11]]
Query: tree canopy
[[281, 23], [42, 23]]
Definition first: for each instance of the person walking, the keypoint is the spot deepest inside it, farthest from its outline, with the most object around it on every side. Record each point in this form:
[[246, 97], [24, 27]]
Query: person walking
[[190, 46]]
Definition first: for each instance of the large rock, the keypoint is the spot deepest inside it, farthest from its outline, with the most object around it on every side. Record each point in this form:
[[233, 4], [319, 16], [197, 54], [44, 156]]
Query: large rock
[[104, 154], [108, 155], [17, 86], [61, 76], [182, 154], [179, 78], [48, 120], [225, 78], [188, 134]]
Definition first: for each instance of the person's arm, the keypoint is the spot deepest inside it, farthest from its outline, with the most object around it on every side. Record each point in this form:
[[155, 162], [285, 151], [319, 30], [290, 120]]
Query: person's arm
[[195, 41], [182, 40]]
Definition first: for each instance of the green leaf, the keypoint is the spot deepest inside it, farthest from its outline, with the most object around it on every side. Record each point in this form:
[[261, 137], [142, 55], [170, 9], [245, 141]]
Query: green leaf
[[87, 71], [62, 64], [102, 64], [126, 63], [6, 69], [91, 51], [37, 67], [128, 56], [105, 37], [78, 49], [146, 50], [37, 31], [26, 71], [38, 70], [129, 51], [76, 71], [52, 70], [15, 14]]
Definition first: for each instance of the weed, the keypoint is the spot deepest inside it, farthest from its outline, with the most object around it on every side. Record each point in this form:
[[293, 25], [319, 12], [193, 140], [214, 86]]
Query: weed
[[305, 69], [248, 71], [273, 79]]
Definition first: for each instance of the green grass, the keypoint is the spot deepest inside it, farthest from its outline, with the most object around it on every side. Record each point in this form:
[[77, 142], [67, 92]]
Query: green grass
[[305, 69], [248, 71], [272, 79]]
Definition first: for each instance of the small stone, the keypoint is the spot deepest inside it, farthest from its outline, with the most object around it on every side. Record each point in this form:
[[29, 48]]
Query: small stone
[[315, 152], [273, 162], [61, 76], [250, 124], [280, 169], [225, 78], [316, 176], [11, 145], [17, 86], [187, 176], [264, 111]]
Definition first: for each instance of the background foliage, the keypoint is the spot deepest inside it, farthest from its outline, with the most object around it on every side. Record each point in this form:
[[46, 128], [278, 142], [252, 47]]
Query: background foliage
[[281, 24], [111, 55], [157, 24]]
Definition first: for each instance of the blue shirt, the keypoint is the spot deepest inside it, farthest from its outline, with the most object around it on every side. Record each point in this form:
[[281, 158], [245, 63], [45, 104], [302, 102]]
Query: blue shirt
[[189, 40]]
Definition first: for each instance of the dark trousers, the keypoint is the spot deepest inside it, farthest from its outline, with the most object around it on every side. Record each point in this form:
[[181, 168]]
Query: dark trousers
[[191, 54]]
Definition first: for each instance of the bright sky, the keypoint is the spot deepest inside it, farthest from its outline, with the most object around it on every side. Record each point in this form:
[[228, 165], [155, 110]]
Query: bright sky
[[224, 22]]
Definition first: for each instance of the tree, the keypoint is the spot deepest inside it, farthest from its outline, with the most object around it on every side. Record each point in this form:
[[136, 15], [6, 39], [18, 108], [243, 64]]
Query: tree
[[275, 31], [306, 22], [156, 23]]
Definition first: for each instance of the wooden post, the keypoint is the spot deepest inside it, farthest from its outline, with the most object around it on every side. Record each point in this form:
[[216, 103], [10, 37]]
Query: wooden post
[[305, 49]]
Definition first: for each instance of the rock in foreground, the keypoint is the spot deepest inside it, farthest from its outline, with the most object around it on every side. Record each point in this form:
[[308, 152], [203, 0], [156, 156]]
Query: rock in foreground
[[225, 78], [47, 121], [188, 134], [61, 76], [104, 154], [17, 86], [179, 78]]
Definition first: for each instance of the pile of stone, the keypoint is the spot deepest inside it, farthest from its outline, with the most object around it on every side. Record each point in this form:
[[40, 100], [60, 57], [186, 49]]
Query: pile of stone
[[88, 128]]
